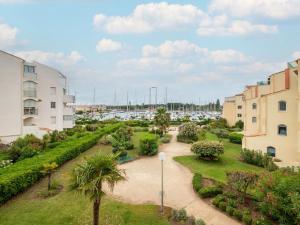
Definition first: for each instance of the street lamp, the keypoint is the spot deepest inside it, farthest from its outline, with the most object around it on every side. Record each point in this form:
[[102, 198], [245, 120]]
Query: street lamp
[[162, 157]]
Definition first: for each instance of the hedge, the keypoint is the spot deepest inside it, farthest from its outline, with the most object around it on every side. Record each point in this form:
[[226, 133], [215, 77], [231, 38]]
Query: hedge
[[236, 138], [197, 182], [21, 175]]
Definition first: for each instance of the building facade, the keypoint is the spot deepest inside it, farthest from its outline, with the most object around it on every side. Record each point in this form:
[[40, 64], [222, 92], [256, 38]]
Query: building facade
[[233, 109], [272, 115], [33, 99]]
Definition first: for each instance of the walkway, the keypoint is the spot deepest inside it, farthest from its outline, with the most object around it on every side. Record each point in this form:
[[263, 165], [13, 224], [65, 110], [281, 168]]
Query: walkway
[[144, 183]]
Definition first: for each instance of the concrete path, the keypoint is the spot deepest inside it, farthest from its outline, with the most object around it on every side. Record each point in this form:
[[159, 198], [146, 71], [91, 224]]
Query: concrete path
[[143, 185]]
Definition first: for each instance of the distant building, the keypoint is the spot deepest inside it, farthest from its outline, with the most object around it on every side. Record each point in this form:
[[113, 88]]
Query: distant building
[[89, 108], [233, 109], [33, 99]]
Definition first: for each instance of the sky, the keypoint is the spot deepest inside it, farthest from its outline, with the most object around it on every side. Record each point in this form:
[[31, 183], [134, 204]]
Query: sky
[[198, 50]]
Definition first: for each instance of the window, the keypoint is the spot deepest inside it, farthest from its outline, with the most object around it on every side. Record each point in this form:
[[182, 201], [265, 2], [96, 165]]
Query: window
[[53, 119], [29, 69], [239, 107], [282, 130], [239, 115], [271, 151], [282, 105], [53, 91], [68, 118], [254, 106], [64, 91], [53, 105], [254, 119]]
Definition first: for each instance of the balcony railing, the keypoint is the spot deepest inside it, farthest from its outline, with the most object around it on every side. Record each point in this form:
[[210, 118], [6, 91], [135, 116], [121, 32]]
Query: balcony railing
[[30, 111], [30, 76], [29, 93], [69, 99]]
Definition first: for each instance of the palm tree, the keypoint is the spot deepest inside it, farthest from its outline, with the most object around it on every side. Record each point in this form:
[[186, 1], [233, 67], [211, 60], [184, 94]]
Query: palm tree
[[162, 119], [89, 178]]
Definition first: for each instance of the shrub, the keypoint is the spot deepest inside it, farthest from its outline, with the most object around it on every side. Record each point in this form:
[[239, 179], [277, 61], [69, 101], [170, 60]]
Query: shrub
[[208, 150], [19, 176], [191, 220], [188, 133], [236, 138], [219, 123], [259, 159], [166, 138], [218, 199], [239, 124], [200, 222], [220, 132], [179, 215], [237, 214], [197, 180], [201, 135], [91, 127], [209, 192], [25, 147], [223, 205], [57, 136], [230, 210], [148, 145], [247, 218]]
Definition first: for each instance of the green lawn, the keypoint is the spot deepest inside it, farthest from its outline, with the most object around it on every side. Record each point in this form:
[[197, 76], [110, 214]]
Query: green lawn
[[217, 169], [3, 156], [70, 208]]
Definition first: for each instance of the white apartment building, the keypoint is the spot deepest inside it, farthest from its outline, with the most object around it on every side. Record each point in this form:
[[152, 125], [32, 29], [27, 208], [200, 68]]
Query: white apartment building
[[33, 99]]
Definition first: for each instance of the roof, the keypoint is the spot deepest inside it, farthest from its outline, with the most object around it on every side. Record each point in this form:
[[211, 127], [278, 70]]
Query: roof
[[12, 55]]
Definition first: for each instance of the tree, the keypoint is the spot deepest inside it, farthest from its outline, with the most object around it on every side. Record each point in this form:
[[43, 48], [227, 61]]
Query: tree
[[48, 169], [89, 178], [218, 105], [162, 119]]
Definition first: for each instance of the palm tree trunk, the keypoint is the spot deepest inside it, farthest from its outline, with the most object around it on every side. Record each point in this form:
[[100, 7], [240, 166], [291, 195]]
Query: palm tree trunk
[[96, 210]]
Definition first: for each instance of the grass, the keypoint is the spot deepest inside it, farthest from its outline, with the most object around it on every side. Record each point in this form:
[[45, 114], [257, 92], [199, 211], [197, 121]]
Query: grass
[[71, 208], [3, 155], [217, 169]]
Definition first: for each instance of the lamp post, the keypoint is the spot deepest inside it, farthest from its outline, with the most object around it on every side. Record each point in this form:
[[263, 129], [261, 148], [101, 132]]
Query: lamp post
[[162, 157]]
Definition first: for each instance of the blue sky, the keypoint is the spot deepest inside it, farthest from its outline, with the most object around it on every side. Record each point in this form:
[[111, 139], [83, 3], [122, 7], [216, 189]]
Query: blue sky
[[197, 49]]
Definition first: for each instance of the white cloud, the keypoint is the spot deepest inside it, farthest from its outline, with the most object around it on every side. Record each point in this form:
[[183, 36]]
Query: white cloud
[[51, 58], [170, 49], [278, 9], [108, 45], [220, 26], [296, 55], [149, 17], [228, 56], [8, 35], [188, 50]]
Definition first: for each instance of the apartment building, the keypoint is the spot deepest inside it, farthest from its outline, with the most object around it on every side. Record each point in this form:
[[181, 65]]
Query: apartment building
[[233, 109], [33, 99], [272, 115]]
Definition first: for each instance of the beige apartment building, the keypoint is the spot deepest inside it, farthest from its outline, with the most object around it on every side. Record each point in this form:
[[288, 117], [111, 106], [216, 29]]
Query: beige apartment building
[[233, 109], [271, 115], [33, 99]]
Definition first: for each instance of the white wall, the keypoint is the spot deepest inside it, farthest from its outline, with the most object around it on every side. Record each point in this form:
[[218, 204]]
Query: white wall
[[47, 78], [11, 101]]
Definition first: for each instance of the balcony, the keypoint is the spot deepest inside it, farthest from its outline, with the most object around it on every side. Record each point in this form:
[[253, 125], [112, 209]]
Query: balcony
[[29, 93], [30, 77], [69, 111], [30, 111], [69, 99]]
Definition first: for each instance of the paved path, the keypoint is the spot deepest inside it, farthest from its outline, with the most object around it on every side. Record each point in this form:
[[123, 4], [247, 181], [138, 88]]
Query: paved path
[[144, 183]]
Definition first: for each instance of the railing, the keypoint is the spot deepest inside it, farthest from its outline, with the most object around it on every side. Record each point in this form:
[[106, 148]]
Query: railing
[[29, 93], [30, 76], [69, 99], [28, 111]]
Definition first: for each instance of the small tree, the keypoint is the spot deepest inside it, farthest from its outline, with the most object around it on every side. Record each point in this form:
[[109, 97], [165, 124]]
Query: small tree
[[148, 145], [188, 132], [89, 178], [162, 120], [208, 150], [48, 169], [241, 181]]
